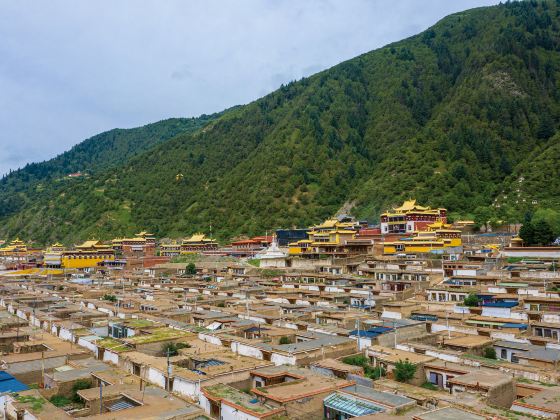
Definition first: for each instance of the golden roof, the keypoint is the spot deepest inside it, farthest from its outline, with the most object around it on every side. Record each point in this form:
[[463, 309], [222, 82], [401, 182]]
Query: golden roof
[[88, 244], [409, 206], [329, 223], [197, 237], [143, 234], [439, 225]]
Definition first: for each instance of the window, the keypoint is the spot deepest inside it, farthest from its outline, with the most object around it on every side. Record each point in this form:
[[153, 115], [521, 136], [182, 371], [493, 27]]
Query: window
[[538, 332]]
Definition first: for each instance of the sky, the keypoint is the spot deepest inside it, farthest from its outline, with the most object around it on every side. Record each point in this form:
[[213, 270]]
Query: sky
[[71, 69]]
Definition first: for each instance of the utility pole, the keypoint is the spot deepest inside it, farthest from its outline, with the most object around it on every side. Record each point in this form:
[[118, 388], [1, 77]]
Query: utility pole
[[359, 347], [100, 396], [168, 379], [42, 369], [395, 332]]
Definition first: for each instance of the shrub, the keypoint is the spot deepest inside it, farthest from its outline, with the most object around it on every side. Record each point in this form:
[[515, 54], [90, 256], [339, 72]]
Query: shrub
[[429, 385], [374, 373], [285, 340], [490, 353], [60, 400], [78, 385], [190, 269], [471, 300], [404, 370], [356, 360], [173, 348], [169, 348]]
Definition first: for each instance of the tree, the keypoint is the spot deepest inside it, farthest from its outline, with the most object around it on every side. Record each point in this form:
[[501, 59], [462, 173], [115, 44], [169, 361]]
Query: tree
[[550, 216], [190, 269], [543, 233], [471, 300], [490, 353], [527, 233], [404, 370], [482, 216], [171, 348], [79, 385], [284, 340], [546, 127]]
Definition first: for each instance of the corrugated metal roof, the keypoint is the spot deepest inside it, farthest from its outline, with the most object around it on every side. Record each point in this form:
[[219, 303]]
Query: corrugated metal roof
[[10, 384], [121, 405], [351, 406]]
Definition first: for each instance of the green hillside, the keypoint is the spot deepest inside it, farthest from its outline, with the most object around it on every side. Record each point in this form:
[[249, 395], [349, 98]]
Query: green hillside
[[25, 187], [449, 116]]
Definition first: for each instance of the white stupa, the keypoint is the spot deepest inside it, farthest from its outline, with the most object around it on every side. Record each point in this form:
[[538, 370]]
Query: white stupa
[[273, 256]]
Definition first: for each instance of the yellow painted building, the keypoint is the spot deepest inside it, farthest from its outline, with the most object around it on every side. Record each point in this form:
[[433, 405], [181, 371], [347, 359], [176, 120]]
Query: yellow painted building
[[198, 243], [16, 251], [52, 257], [410, 217], [172, 249], [87, 255], [14, 248], [327, 238], [437, 238]]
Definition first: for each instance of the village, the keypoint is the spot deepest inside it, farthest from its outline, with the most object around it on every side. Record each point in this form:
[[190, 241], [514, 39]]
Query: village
[[414, 317]]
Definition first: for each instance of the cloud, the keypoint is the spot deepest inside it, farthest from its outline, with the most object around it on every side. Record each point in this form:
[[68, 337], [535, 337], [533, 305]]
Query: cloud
[[72, 69]]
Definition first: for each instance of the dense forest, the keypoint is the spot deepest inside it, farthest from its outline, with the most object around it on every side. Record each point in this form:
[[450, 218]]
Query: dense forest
[[462, 115]]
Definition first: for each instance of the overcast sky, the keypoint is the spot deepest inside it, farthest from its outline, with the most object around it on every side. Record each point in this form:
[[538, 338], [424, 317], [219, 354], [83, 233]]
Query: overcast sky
[[71, 69]]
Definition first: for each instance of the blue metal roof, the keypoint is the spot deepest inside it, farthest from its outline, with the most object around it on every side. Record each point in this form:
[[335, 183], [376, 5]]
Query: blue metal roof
[[515, 325], [371, 332], [422, 317], [10, 384], [351, 406], [363, 333], [500, 304]]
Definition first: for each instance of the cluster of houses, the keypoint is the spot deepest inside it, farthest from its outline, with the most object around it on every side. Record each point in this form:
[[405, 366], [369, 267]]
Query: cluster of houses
[[415, 318]]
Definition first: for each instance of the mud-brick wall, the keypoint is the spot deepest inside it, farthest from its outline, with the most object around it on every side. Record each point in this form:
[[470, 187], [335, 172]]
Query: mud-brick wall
[[502, 395], [403, 335]]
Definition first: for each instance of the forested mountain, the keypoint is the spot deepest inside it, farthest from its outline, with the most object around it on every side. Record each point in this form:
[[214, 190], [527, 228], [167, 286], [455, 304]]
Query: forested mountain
[[102, 152], [453, 117]]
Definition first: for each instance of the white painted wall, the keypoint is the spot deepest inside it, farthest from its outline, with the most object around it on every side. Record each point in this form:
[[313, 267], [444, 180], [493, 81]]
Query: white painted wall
[[391, 314], [65, 334], [187, 388], [88, 345], [246, 350], [111, 357], [280, 359], [156, 377], [231, 413], [204, 403], [210, 339]]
